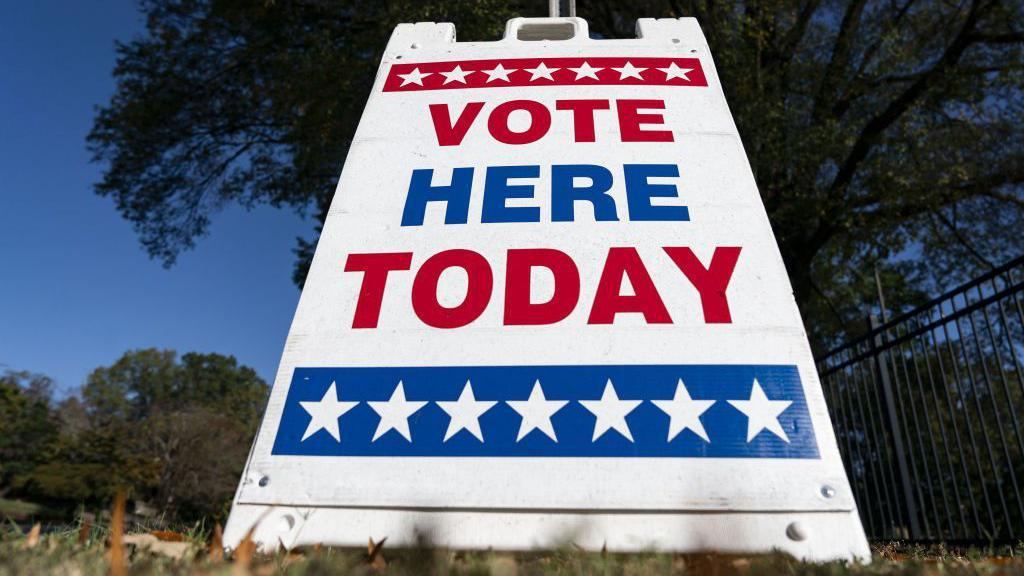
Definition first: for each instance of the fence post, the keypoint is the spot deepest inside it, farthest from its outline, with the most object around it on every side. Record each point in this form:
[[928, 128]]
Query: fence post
[[889, 398]]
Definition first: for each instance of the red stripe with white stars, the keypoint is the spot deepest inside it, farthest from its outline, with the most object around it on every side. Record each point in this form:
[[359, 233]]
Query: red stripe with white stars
[[633, 71]]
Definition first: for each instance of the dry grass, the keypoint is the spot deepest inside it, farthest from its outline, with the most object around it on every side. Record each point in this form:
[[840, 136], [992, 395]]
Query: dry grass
[[87, 549], [60, 553]]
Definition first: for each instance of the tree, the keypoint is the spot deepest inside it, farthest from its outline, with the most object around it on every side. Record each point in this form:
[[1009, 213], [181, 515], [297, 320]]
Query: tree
[[27, 426], [185, 427], [175, 432], [882, 133], [146, 382]]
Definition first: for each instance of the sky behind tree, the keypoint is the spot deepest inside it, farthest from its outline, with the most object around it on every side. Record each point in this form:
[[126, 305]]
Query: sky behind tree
[[76, 288]]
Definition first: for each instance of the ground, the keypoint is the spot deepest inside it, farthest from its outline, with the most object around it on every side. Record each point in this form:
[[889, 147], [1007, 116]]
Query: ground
[[85, 550]]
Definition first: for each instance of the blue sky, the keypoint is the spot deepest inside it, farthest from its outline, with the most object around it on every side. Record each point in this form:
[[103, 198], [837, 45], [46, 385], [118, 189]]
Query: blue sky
[[76, 288]]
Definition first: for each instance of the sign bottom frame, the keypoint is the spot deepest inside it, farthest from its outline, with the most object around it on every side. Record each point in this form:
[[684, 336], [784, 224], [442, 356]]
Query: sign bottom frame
[[808, 536]]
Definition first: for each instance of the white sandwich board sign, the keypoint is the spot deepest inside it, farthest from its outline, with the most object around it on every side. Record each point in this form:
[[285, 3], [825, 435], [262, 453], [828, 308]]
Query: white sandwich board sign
[[547, 306]]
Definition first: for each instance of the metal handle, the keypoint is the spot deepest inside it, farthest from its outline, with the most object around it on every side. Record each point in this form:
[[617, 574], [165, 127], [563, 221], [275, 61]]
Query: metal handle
[[554, 6]]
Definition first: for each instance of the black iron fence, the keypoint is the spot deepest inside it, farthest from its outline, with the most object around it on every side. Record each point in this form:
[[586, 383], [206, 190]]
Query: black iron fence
[[928, 411]]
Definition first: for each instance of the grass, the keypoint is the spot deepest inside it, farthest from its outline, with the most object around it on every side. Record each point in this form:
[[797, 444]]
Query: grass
[[85, 550], [18, 509]]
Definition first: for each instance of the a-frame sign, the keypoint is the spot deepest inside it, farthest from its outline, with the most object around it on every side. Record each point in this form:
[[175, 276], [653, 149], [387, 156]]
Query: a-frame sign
[[547, 306]]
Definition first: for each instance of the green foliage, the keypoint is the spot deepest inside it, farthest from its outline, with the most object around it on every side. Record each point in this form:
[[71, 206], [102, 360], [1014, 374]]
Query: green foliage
[[18, 509], [146, 383], [881, 133], [246, 102], [27, 426], [174, 432]]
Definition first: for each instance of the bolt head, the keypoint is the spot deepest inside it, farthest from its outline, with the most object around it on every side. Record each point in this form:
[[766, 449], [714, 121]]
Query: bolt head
[[828, 491], [796, 531], [264, 480]]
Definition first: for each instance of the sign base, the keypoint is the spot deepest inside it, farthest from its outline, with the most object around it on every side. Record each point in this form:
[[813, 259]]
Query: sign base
[[808, 536]]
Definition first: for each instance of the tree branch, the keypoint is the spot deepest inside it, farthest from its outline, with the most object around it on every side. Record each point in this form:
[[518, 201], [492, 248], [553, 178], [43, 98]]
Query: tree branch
[[1007, 198], [875, 127], [840, 56], [1009, 38], [960, 239], [842, 104], [828, 303]]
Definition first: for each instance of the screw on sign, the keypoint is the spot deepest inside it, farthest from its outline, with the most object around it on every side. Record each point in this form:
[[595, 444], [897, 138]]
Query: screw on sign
[[547, 301]]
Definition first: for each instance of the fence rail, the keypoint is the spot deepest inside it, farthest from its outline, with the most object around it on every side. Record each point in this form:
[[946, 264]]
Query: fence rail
[[927, 410]]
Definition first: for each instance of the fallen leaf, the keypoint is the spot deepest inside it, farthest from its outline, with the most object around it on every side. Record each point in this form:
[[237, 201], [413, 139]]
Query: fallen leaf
[[308, 550], [152, 544], [373, 554], [247, 548], [84, 531], [117, 536], [138, 540], [741, 565], [168, 536], [292, 557], [244, 552], [217, 544], [32, 540]]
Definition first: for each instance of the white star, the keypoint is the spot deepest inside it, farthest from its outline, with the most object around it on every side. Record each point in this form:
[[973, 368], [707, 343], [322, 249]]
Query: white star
[[674, 71], [684, 412], [394, 413], [457, 74], [611, 412], [499, 72], [325, 413], [414, 77], [629, 71], [762, 413], [542, 71], [536, 412], [586, 70], [465, 413]]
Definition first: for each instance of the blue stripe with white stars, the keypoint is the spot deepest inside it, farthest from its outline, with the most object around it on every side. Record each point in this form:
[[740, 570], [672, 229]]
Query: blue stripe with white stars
[[720, 411]]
